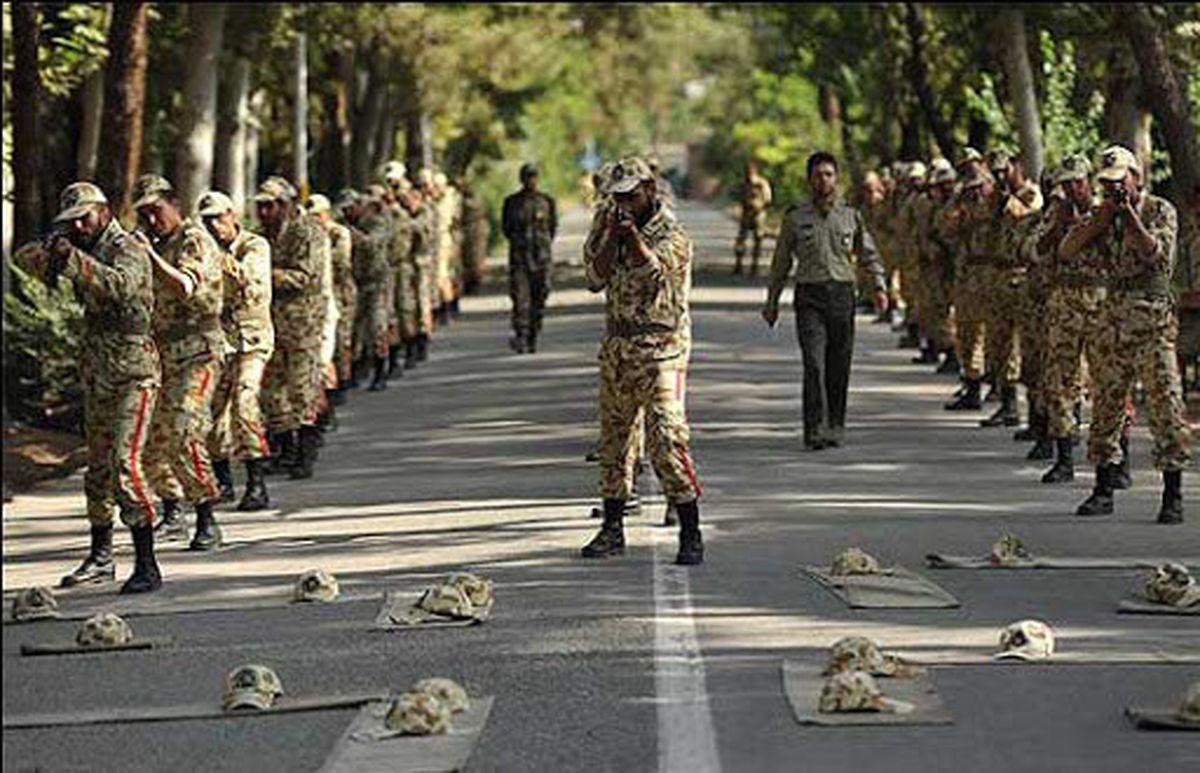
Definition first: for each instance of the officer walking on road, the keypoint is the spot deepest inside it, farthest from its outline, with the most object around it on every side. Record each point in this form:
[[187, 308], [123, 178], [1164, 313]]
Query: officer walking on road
[[530, 221], [821, 238]]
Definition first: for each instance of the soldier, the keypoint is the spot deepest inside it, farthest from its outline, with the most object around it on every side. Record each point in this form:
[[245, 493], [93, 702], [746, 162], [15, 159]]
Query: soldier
[[755, 198], [370, 235], [399, 244], [1134, 234], [908, 195], [873, 205], [445, 201], [187, 324], [639, 256], [238, 430], [119, 366], [968, 222], [530, 221], [929, 269], [937, 271], [821, 237], [292, 388], [420, 267], [346, 294], [337, 272]]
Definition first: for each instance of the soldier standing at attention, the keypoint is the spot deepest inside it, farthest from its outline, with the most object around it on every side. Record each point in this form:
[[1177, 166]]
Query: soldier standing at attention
[[187, 324], [370, 234], [530, 222], [821, 237], [756, 197], [336, 267], [119, 365], [639, 256], [250, 338], [418, 263], [292, 390], [1135, 236], [345, 294]]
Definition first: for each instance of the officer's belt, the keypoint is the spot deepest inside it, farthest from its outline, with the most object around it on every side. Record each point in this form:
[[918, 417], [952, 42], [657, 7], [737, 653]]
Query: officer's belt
[[1078, 279], [1150, 285], [626, 329]]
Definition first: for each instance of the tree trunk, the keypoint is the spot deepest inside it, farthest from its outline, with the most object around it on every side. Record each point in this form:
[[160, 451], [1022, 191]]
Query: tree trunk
[[367, 127], [300, 116], [229, 173], [918, 74], [385, 140], [26, 85], [198, 129], [1021, 87], [253, 125], [89, 132], [343, 100]]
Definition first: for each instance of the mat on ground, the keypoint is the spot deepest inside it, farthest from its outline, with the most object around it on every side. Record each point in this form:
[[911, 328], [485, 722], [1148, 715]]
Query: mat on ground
[[947, 561], [803, 682], [897, 588]]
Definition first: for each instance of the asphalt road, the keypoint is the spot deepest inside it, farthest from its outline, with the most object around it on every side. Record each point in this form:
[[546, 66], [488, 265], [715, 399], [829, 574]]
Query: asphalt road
[[476, 460]]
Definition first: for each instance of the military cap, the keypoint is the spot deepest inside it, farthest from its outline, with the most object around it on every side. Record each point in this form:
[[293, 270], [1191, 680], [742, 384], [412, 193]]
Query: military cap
[[149, 188], [272, 189], [627, 174], [1172, 584], [1075, 167], [417, 713], [872, 178], [1008, 551], [447, 601], [213, 203], [528, 169], [968, 155], [316, 584], [392, 171], [940, 171], [1026, 640], [103, 630], [849, 691], [425, 176], [854, 561], [440, 179], [916, 170], [289, 189], [480, 592], [449, 692], [375, 193], [77, 199], [318, 203], [898, 169], [858, 653], [34, 603], [348, 197], [250, 687], [998, 158], [1115, 161]]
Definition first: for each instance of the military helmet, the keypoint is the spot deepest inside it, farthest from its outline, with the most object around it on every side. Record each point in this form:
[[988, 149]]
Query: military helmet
[[316, 584], [848, 691], [250, 687], [1115, 161], [1074, 167], [1008, 551], [447, 601], [34, 603], [858, 653], [77, 199], [417, 713], [1026, 640], [1189, 705], [479, 591], [150, 188], [1173, 584], [213, 203], [448, 691], [627, 174], [103, 630], [854, 561]]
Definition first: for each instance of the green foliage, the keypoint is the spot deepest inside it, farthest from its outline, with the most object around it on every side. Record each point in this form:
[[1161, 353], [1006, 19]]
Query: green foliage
[[983, 104], [1065, 130]]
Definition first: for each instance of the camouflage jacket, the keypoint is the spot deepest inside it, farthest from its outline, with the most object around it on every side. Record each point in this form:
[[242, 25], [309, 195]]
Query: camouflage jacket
[[298, 256], [188, 327], [115, 284], [646, 304], [341, 248], [756, 194], [400, 239], [424, 234], [371, 235], [246, 313], [529, 220], [1132, 274]]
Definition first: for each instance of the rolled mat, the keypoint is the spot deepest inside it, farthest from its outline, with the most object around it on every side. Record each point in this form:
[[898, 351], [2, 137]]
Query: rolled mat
[[1158, 719], [397, 615], [82, 607], [802, 683], [1144, 607], [71, 648], [898, 588], [945, 561]]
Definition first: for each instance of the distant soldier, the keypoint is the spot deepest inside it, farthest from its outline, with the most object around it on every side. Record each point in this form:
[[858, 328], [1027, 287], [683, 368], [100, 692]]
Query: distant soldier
[[292, 390], [337, 272], [873, 199], [119, 367], [239, 431], [189, 292], [400, 227], [345, 292], [420, 262], [445, 200], [370, 234], [530, 221], [937, 270], [967, 223], [1135, 235], [909, 201], [755, 198]]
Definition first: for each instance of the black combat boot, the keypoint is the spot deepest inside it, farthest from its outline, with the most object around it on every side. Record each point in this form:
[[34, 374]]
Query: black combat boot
[[1122, 477], [518, 343], [911, 338], [1006, 415], [172, 525], [1172, 497], [422, 347], [145, 577], [1101, 500], [98, 566], [224, 480], [359, 371], [308, 453], [255, 497], [632, 508], [531, 342], [289, 451], [208, 533], [610, 541], [950, 365], [928, 354], [410, 354], [393, 363], [379, 382], [968, 400], [1043, 446], [1063, 470], [691, 547]]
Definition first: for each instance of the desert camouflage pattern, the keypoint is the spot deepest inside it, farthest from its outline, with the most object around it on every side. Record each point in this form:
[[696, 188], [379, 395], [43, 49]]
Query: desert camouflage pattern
[[446, 601], [417, 713], [1026, 640], [345, 295], [371, 273], [530, 221], [116, 425], [853, 561], [445, 244], [858, 653], [35, 603], [103, 630], [1173, 584], [973, 281], [480, 592], [250, 687], [315, 585], [752, 221], [450, 693], [848, 691], [1009, 551]]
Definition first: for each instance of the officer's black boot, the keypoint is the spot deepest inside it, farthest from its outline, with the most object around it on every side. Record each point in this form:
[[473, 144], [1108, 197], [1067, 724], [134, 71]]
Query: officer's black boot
[[691, 547], [1006, 415], [1172, 497], [968, 400], [145, 577], [172, 525], [308, 453], [422, 347], [98, 566], [610, 541], [518, 343], [208, 533], [1063, 470], [950, 365], [531, 342], [1101, 500], [1121, 477], [379, 382], [224, 479], [255, 497]]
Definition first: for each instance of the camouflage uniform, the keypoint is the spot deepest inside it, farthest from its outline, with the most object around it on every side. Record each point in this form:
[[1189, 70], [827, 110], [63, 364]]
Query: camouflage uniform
[[530, 221], [756, 197], [192, 343], [292, 389], [1141, 343], [119, 365], [250, 338], [938, 273], [371, 270], [445, 250], [400, 259], [1007, 284], [422, 289], [346, 296], [972, 274]]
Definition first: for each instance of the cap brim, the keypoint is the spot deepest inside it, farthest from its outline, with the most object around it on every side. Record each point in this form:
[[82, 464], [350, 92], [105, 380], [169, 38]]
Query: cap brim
[[623, 186], [1112, 173], [247, 700], [212, 211], [147, 200], [893, 706], [1019, 655], [262, 197], [73, 213]]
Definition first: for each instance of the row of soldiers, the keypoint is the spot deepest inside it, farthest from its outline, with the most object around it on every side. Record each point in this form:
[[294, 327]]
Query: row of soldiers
[[205, 342], [1021, 282]]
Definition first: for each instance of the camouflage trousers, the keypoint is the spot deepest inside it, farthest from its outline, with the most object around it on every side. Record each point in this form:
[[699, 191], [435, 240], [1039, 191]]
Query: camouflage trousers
[[292, 387], [1139, 344], [116, 424], [933, 305], [1075, 322], [371, 321], [177, 458], [631, 382], [970, 319], [238, 429], [750, 227], [419, 288], [1004, 309], [910, 284], [528, 288], [445, 276], [1034, 299], [344, 345]]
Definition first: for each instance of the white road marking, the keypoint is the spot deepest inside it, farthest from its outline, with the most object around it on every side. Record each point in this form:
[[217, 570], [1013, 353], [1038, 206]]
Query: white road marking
[[686, 740]]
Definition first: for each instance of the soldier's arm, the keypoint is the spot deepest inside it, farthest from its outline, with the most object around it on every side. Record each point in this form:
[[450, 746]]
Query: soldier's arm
[[256, 272], [553, 216], [1081, 235], [1154, 238], [124, 281], [187, 276], [766, 186], [868, 254], [597, 251], [307, 274], [781, 262], [506, 219]]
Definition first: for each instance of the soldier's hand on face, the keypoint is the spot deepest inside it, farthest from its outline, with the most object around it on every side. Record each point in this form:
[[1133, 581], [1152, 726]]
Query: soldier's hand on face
[[770, 314], [1107, 210], [881, 301]]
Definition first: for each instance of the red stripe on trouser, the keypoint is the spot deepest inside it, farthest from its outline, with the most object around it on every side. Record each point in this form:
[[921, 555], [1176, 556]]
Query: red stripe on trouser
[[135, 463], [194, 445], [682, 456]]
